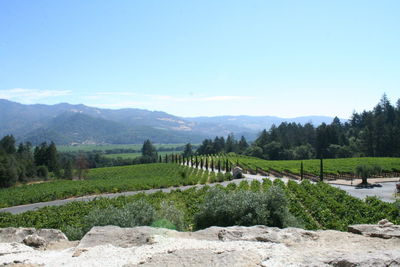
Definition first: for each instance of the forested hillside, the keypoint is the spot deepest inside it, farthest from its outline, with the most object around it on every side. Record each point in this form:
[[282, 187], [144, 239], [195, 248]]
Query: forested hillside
[[374, 133]]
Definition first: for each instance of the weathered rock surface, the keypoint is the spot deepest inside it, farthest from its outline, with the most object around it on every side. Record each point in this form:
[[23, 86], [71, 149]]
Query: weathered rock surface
[[215, 246], [384, 229], [11, 234]]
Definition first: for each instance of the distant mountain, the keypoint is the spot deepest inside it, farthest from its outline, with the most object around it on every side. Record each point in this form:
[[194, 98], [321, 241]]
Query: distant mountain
[[257, 123], [67, 124]]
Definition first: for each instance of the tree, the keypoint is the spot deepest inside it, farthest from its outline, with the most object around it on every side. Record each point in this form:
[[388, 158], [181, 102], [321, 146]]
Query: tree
[[364, 172], [188, 150], [8, 171], [242, 145], [82, 166], [52, 158], [230, 144], [149, 151], [7, 143], [68, 171]]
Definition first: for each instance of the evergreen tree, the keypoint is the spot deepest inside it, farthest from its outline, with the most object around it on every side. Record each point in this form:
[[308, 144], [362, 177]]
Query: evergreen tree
[[7, 143], [242, 145], [188, 150], [149, 151], [52, 158]]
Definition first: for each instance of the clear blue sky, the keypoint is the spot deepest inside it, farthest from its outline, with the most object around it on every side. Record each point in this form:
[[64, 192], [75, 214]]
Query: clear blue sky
[[190, 58]]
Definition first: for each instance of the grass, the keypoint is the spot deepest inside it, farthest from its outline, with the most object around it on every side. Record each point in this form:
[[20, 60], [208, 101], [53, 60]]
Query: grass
[[134, 155], [88, 148]]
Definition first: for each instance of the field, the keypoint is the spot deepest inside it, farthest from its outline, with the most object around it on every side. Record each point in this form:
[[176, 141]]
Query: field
[[316, 206], [110, 180], [137, 147], [331, 166], [132, 155]]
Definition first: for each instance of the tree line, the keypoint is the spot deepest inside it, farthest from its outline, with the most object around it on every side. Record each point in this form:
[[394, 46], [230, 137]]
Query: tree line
[[24, 163], [374, 133]]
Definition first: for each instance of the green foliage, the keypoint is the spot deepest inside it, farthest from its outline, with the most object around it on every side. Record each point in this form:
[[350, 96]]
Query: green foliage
[[331, 166], [315, 206], [149, 151], [42, 172], [171, 216], [132, 214], [222, 208], [7, 144], [107, 180], [188, 151], [365, 171], [8, 171]]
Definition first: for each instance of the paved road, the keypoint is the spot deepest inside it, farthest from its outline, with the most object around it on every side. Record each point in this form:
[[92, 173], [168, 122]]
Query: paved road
[[385, 193], [27, 207]]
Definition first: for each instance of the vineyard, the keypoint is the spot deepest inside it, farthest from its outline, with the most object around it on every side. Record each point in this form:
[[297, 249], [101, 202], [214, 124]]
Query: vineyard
[[316, 206], [110, 180], [333, 168]]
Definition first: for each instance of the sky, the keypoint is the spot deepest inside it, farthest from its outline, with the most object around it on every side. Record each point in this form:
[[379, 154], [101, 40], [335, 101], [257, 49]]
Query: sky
[[202, 58]]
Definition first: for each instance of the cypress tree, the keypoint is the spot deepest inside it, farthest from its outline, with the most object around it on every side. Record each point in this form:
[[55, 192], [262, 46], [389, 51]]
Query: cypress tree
[[207, 163], [219, 165], [301, 171], [201, 163], [321, 174]]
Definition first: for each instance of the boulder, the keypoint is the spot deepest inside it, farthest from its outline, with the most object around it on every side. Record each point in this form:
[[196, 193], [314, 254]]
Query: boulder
[[214, 246], [34, 241], [384, 229], [121, 237], [20, 235], [237, 172]]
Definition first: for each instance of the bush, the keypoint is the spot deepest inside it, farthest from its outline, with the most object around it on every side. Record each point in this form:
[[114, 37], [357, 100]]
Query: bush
[[169, 216], [132, 214], [73, 232], [224, 208]]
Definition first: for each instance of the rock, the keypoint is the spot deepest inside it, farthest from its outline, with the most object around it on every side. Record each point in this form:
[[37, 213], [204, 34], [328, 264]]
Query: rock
[[384, 229], [34, 241], [237, 173], [11, 234], [121, 237], [214, 246]]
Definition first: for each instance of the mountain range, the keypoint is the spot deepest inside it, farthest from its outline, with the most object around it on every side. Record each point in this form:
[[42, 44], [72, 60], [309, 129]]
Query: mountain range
[[79, 124]]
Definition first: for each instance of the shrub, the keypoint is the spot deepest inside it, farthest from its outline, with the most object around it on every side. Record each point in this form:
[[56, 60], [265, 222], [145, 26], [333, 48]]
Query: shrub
[[224, 208], [228, 176], [163, 223], [170, 213], [132, 214], [73, 232]]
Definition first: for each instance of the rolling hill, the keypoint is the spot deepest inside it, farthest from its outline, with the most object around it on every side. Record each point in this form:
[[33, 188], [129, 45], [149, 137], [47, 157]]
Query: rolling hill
[[67, 124]]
